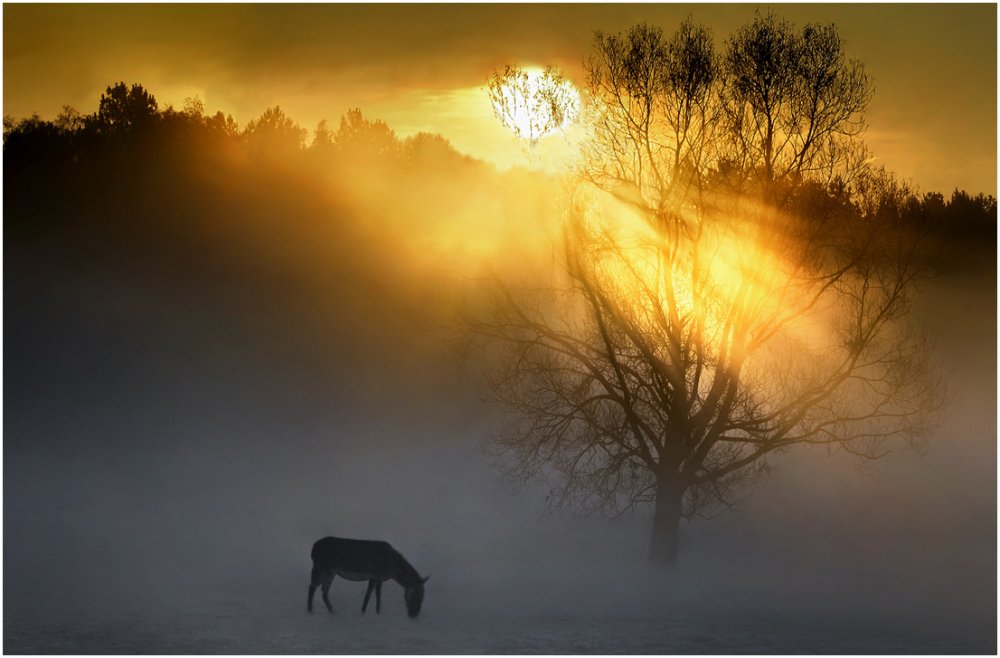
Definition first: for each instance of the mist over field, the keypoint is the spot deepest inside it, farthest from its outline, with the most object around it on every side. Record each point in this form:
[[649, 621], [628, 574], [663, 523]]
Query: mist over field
[[635, 329], [208, 368]]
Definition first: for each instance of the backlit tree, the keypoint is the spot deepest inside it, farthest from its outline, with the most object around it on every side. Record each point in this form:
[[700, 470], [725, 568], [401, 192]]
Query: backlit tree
[[718, 301]]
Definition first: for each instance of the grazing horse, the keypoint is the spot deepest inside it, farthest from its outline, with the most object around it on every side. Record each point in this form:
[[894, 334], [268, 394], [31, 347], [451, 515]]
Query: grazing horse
[[361, 559]]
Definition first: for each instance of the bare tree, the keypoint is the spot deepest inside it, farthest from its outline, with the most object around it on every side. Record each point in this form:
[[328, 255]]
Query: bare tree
[[793, 101], [693, 331], [655, 109]]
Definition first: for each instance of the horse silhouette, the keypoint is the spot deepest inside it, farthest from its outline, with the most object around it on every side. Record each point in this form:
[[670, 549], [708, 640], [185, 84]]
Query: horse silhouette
[[359, 560]]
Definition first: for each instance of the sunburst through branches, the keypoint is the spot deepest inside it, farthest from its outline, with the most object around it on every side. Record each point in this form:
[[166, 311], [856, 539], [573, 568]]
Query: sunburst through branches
[[533, 103]]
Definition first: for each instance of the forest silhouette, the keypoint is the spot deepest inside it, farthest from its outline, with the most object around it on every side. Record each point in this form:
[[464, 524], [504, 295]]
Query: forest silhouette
[[132, 167], [353, 232]]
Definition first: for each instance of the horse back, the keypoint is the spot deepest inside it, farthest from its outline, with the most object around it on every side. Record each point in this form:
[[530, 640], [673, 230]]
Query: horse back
[[361, 556]]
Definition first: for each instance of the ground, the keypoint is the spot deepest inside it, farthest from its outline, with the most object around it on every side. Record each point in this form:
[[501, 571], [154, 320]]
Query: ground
[[196, 538]]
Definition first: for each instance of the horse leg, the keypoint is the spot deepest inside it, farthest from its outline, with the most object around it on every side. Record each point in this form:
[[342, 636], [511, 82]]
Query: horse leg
[[368, 595], [313, 584], [326, 591], [378, 597]]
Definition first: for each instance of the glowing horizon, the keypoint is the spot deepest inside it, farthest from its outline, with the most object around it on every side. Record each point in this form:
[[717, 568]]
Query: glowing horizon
[[421, 68]]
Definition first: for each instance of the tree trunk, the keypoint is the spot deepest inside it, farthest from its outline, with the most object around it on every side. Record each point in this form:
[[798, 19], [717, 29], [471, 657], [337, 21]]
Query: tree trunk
[[666, 521]]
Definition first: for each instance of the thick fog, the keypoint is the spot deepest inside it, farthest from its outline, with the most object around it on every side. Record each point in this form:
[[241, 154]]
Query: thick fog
[[182, 422]]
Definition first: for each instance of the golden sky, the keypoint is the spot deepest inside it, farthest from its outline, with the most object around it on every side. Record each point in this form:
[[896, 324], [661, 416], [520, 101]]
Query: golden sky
[[423, 67]]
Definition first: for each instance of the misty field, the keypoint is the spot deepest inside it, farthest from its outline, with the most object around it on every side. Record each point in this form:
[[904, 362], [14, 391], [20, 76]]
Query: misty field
[[222, 344], [203, 547], [469, 619]]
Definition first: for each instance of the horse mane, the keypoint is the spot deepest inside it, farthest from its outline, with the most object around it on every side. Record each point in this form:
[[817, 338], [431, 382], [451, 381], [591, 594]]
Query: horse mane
[[408, 576]]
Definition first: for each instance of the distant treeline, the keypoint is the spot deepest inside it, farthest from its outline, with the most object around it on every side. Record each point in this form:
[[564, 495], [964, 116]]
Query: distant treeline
[[129, 117], [131, 146], [148, 177], [139, 230], [356, 223], [130, 136]]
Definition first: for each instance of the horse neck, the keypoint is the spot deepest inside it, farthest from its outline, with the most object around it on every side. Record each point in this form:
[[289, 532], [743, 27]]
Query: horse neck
[[405, 574]]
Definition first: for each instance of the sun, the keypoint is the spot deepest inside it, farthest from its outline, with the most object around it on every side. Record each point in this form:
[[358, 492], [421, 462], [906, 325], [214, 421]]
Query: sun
[[533, 102]]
